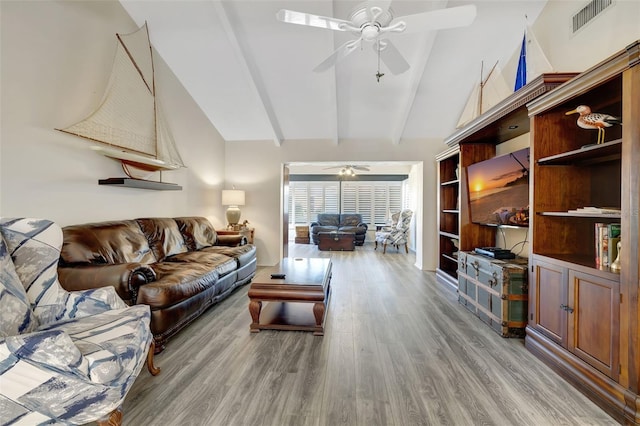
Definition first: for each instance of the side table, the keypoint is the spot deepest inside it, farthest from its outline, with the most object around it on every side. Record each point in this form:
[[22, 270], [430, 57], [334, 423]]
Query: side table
[[248, 233]]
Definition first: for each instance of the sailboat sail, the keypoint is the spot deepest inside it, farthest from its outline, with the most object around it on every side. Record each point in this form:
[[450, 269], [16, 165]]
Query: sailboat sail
[[128, 119], [537, 61], [487, 92], [494, 88]]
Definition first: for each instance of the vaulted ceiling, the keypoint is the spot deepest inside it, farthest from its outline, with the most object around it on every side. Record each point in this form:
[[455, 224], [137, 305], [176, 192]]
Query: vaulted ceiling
[[253, 76]]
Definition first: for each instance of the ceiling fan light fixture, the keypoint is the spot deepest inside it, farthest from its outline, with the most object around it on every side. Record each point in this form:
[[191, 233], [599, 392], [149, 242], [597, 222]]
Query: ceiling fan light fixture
[[347, 171], [370, 32]]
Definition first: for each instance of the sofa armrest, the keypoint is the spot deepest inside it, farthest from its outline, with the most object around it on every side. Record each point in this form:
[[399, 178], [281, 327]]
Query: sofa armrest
[[363, 225], [124, 277], [36, 349], [314, 224], [231, 240]]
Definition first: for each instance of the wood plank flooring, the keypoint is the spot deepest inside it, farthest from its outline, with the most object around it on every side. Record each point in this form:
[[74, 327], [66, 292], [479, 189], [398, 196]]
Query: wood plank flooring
[[398, 350]]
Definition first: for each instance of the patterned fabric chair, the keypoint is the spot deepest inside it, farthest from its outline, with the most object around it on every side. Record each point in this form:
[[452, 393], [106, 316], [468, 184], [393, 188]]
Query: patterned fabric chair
[[65, 357], [397, 234]]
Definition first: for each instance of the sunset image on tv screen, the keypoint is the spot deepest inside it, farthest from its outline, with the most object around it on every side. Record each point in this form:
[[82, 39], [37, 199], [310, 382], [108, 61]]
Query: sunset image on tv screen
[[499, 190]]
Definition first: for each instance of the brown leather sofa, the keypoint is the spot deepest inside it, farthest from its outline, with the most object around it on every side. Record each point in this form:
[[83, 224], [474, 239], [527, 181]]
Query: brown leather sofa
[[177, 266]]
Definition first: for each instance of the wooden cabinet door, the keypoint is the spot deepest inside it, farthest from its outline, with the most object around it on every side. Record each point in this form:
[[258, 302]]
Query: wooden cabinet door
[[594, 319], [547, 299]]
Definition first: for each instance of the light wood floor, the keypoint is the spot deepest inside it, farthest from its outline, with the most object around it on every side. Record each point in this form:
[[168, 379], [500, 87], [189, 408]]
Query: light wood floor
[[398, 350]]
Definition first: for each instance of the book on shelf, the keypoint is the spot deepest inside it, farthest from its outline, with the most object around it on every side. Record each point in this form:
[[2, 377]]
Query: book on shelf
[[613, 230], [606, 243], [596, 210]]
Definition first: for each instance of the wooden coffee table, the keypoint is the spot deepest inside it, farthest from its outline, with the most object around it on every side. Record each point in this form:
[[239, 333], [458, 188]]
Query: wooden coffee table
[[296, 302]]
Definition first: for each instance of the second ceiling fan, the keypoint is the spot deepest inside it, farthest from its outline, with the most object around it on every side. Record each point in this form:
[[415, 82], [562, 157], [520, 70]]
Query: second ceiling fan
[[349, 169], [371, 21]]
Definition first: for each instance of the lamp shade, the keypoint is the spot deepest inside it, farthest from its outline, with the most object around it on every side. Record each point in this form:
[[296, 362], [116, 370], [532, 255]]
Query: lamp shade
[[232, 197]]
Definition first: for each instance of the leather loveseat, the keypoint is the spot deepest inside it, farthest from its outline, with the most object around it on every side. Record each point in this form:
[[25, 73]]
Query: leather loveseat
[[177, 266], [334, 222]]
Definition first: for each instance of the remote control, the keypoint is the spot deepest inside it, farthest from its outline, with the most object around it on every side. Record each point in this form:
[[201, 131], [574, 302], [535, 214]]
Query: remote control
[[278, 276]]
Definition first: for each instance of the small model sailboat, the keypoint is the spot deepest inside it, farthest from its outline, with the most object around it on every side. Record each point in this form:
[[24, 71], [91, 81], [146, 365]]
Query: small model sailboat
[[489, 91], [128, 122]]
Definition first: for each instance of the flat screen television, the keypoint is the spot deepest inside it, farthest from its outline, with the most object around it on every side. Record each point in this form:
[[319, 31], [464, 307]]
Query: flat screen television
[[499, 190]]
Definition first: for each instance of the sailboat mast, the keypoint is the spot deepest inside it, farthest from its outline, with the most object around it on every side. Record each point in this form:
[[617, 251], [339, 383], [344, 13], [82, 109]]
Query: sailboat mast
[[481, 86], [135, 64], [483, 83], [153, 85]]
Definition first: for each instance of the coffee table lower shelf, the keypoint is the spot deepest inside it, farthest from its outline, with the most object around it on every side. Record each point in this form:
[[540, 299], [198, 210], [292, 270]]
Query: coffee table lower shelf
[[295, 296], [291, 316]]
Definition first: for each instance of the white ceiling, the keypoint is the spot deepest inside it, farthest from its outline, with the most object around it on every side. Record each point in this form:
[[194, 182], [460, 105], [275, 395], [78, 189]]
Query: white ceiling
[[252, 74]]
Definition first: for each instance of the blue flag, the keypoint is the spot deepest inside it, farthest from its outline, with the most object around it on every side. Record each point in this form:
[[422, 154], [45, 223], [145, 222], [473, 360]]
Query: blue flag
[[521, 74]]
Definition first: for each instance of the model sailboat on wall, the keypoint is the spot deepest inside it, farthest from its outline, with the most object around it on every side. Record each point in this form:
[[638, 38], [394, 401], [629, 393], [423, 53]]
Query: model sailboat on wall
[[493, 88], [128, 123]]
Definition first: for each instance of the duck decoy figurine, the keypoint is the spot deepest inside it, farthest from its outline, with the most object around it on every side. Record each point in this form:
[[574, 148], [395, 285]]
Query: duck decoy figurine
[[594, 120]]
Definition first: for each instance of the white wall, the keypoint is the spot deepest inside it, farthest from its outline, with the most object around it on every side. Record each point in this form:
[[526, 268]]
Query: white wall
[[56, 61], [255, 167]]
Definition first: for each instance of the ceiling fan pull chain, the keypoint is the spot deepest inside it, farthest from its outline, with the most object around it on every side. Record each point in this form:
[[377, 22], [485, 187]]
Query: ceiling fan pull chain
[[378, 75]]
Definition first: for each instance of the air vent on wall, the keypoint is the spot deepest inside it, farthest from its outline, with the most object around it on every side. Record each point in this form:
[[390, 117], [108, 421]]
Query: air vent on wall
[[589, 12]]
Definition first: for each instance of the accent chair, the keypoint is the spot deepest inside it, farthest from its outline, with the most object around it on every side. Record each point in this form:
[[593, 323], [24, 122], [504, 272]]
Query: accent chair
[[65, 357], [397, 234]]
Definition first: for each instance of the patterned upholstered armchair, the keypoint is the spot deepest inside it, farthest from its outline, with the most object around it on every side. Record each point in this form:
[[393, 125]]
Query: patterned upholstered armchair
[[397, 234], [65, 357]]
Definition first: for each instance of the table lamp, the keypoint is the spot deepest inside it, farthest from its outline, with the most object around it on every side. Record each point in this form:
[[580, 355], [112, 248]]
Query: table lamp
[[233, 198]]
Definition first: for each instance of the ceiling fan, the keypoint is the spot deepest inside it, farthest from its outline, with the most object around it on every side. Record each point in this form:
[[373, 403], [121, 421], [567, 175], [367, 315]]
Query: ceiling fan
[[370, 21], [349, 169]]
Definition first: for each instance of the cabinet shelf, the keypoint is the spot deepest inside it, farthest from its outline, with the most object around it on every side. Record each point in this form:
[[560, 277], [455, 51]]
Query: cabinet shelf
[[451, 211], [582, 215], [448, 257], [587, 262], [592, 154], [449, 235]]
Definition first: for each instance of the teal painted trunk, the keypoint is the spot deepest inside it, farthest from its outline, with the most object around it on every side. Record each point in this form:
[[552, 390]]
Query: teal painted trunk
[[495, 290]]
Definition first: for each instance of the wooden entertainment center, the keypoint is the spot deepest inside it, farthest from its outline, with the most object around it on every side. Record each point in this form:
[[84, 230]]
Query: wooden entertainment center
[[473, 143], [584, 320]]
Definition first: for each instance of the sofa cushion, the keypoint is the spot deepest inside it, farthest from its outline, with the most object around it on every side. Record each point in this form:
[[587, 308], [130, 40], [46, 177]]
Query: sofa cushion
[[328, 219], [353, 229], [178, 281], [323, 228], [242, 254], [197, 232], [350, 219], [105, 243], [163, 235], [34, 245], [217, 260], [16, 316]]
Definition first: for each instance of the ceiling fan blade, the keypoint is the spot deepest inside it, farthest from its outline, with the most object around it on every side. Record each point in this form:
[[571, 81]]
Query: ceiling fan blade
[[339, 54], [301, 18], [452, 17], [391, 56], [377, 7], [363, 168]]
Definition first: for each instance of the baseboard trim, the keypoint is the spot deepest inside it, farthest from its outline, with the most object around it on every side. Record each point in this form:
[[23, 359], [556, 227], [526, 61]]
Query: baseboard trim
[[602, 390]]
